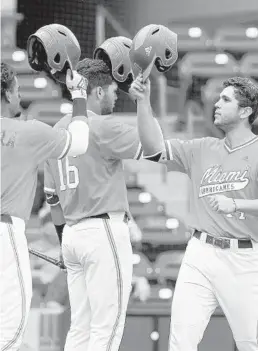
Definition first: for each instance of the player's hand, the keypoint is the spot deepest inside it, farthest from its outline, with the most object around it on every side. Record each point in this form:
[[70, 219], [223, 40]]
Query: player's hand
[[139, 90], [76, 84], [222, 204], [142, 289]]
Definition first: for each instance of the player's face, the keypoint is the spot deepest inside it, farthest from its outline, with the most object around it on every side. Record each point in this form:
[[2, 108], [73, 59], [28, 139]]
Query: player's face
[[227, 110], [109, 99], [15, 99]]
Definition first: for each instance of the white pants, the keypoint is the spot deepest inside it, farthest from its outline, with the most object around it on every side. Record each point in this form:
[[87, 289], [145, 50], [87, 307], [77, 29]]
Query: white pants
[[210, 276], [15, 285], [98, 256]]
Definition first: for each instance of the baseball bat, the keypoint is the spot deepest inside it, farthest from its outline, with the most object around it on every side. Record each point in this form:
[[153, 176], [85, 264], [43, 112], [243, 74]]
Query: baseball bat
[[49, 259]]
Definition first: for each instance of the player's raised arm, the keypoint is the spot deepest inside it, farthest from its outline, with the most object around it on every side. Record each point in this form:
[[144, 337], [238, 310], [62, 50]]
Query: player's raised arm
[[44, 47], [149, 129], [79, 129]]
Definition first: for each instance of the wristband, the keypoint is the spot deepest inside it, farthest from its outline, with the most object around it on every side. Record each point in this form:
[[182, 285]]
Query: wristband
[[79, 93]]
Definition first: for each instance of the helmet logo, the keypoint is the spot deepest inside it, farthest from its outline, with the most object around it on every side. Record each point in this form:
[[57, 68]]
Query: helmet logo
[[148, 50]]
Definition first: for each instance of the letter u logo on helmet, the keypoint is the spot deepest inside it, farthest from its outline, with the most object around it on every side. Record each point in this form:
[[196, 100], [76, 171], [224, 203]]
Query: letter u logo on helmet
[[153, 45], [53, 49], [115, 53]]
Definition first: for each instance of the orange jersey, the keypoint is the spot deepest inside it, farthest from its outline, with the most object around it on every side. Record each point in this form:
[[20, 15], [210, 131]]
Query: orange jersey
[[93, 183], [215, 168], [24, 145]]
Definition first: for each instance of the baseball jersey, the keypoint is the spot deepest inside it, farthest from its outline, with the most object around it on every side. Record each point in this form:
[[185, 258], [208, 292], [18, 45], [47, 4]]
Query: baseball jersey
[[24, 145], [216, 168], [93, 183]]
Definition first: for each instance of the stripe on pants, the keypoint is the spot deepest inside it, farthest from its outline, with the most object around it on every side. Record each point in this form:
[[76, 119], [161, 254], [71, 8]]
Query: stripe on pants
[[119, 281], [23, 297]]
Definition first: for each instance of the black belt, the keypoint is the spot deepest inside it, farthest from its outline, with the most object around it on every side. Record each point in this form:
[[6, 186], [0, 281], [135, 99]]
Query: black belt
[[106, 216], [223, 243], [6, 219]]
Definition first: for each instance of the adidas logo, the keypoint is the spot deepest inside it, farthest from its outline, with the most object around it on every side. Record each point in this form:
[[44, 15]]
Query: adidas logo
[[148, 50]]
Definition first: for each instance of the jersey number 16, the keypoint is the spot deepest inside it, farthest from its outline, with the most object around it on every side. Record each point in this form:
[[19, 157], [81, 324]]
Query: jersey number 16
[[69, 175]]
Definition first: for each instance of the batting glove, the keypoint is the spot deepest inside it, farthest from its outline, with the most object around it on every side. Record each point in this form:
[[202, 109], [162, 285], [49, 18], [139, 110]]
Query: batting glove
[[76, 84]]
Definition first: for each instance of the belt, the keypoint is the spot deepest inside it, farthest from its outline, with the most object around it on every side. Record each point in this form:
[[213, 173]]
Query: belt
[[106, 216], [5, 218], [223, 243]]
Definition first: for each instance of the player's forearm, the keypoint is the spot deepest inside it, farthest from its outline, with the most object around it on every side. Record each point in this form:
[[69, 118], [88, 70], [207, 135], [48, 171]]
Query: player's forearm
[[79, 128], [58, 220], [149, 129], [247, 206]]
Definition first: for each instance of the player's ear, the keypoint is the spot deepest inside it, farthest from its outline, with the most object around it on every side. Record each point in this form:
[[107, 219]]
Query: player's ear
[[246, 112], [99, 93]]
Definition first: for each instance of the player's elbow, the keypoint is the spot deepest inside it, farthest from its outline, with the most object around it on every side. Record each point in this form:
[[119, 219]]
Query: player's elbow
[[80, 138]]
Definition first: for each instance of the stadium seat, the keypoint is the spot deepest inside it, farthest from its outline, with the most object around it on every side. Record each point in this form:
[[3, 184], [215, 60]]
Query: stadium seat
[[194, 70], [161, 293], [133, 195], [37, 87], [17, 58], [142, 209], [49, 111], [249, 65], [142, 267], [236, 40], [131, 179], [167, 265]]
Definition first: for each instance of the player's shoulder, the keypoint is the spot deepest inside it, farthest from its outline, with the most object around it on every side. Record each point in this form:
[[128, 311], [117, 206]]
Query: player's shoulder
[[202, 142], [113, 125], [64, 122]]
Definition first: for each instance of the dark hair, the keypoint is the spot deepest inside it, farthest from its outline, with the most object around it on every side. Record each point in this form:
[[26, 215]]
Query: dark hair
[[7, 78], [97, 73], [246, 92]]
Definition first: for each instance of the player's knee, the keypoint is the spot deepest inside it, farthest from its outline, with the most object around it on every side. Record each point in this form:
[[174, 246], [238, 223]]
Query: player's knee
[[185, 337], [250, 345]]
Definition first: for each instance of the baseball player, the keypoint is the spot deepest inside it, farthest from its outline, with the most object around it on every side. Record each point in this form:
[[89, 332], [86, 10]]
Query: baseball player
[[92, 192], [220, 266], [24, 145]]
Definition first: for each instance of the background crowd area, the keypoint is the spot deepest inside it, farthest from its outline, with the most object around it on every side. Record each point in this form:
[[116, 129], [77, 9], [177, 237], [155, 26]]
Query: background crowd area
[[216, 40]]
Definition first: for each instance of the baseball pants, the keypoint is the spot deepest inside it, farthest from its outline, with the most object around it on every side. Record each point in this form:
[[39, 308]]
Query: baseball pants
[[98, 256], [16, 283], [211, 276]]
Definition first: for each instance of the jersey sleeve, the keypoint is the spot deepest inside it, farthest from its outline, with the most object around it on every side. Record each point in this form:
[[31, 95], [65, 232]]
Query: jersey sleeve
[[50, 186], [120, 141], [178, 154], [49, 182], [46, 142]]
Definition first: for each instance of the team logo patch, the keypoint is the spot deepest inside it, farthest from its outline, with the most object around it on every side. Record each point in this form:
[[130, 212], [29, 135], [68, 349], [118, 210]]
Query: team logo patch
[[216, 181], [148, 50]]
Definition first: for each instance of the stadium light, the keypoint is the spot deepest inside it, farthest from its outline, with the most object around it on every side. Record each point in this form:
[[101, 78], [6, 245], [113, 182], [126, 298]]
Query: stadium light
[[144, 197], [172, 223], [154, 336], [66, 108], [40, 83], [221, 59], [18, 56], [165, 293], [194, 32], [251, 32]]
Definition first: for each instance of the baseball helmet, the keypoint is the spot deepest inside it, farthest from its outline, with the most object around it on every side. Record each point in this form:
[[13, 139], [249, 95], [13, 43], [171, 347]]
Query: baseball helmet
[[115, 53], [153, 45], [53, 49]]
